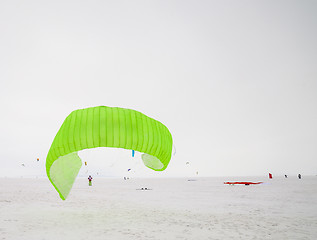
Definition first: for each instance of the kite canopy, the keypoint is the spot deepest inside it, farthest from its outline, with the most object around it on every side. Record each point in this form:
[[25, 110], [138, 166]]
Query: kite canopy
[[105, 127]]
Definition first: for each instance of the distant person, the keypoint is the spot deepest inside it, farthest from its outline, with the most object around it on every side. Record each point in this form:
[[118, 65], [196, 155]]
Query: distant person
[[270, 176], [299, 176], [90, 180], [285, 176]]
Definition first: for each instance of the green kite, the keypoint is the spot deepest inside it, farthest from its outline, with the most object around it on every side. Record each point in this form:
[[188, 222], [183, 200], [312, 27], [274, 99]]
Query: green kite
[[105, 127]]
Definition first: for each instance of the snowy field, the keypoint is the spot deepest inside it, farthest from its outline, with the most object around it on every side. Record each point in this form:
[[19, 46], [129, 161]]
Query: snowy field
[[173, 209]]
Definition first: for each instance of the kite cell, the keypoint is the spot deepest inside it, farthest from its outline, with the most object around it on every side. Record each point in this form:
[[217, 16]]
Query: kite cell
[[105, 127]]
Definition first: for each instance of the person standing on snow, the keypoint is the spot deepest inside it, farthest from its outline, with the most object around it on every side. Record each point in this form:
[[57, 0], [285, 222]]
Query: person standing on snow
[[90, 180]]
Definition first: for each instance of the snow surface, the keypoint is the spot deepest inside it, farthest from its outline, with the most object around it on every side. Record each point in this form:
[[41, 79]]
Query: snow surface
[[174, 208]]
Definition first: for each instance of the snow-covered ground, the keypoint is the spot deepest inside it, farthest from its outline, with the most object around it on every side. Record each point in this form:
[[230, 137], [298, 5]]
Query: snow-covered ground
[[173, 208]]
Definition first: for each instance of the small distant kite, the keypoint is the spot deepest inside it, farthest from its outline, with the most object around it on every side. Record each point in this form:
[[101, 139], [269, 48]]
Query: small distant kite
[[85, 163], [129, 169], [23, 165]]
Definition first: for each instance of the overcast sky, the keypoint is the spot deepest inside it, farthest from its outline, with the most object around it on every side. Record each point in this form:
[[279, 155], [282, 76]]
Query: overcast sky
[[234, 81]]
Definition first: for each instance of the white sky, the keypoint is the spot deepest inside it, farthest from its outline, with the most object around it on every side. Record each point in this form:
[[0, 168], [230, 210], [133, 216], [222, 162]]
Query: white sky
[[234, 81]]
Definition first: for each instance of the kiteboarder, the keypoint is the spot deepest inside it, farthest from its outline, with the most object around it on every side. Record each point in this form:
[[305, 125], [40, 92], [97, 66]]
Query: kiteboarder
[[90, 180]]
